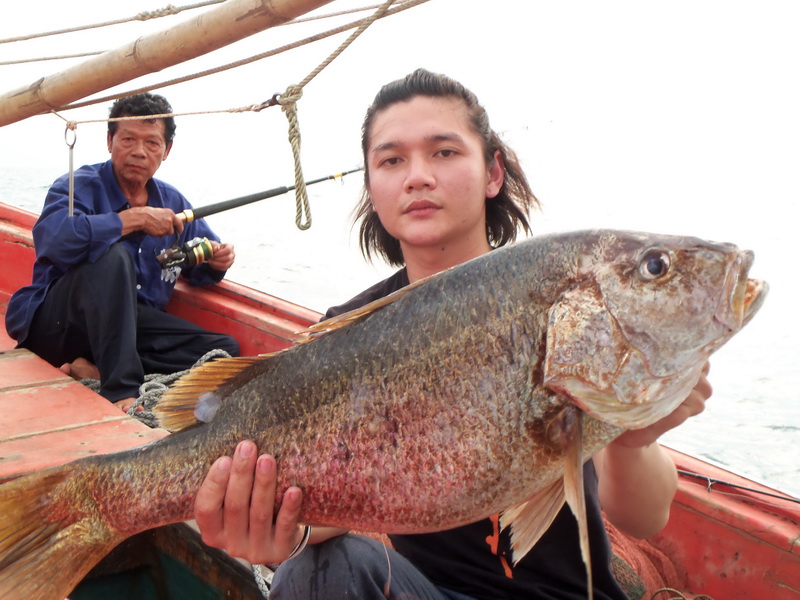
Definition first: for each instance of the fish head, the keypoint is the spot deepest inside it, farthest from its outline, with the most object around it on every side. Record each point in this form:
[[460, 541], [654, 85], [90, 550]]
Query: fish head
[[628, 339]]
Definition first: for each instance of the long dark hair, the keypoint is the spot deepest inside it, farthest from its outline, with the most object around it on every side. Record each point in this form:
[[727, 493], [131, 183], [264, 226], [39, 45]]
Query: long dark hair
[[506, 213]]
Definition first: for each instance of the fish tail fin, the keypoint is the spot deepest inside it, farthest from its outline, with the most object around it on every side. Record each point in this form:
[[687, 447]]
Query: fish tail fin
[[50, 536]]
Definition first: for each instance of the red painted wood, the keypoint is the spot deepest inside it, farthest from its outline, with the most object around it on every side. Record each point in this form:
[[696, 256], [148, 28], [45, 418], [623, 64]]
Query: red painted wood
[[259, 322], [61, 405], [731, 543], [50, 419], [57, 447], [6, 343], [22, 367], [16, 248]]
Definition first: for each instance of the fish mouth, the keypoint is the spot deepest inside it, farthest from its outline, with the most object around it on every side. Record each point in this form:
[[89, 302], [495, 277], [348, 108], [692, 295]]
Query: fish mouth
[[743, 296]]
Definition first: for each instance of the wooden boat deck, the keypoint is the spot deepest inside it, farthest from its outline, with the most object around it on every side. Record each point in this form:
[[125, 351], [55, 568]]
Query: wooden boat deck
[[48, 418]]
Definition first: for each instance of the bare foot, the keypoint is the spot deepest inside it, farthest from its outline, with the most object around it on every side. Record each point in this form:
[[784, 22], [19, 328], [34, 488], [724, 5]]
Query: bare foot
[[126, 403], [80, 368]]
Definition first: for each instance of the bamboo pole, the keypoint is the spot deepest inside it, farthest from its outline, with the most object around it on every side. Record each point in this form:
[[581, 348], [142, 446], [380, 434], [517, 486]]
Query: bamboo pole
[[227, 23]]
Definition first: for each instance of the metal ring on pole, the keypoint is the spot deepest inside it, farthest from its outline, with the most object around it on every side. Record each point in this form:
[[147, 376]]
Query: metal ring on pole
[[71, 126]]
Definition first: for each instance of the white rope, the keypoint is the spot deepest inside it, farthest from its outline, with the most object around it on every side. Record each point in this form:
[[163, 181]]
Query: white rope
[[263, 575], [142, 16]]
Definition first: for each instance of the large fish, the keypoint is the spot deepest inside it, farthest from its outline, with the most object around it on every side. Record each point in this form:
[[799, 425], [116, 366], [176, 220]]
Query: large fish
[[477, 391]]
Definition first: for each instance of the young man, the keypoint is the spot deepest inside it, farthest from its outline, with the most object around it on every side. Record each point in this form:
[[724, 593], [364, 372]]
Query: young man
[[440, 188]]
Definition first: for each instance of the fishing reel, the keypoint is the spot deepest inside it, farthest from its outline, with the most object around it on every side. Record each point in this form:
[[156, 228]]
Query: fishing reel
[[193, 252]]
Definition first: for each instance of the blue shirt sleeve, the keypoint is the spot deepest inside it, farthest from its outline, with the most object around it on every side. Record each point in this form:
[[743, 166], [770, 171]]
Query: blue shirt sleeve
[[65, 241]]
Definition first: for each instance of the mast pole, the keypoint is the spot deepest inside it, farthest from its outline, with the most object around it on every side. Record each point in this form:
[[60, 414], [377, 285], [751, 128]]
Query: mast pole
[[227, 23]]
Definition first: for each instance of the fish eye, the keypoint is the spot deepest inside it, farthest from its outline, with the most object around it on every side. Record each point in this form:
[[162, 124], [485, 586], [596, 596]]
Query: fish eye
[[654, 265]]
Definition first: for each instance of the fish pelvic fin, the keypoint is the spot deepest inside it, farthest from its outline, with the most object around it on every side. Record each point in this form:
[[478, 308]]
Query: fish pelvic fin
[[192, 399], [529, 520], [576, 498], [48, 539]]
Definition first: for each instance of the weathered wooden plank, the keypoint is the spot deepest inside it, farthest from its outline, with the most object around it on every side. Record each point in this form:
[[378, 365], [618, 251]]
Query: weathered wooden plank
[[49, 418], [48, 449], [22, 367], [61, 406]]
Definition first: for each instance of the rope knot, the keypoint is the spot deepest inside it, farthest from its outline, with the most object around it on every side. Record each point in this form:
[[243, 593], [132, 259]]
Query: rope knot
[[146, 15], [288, 101], [290, 97]]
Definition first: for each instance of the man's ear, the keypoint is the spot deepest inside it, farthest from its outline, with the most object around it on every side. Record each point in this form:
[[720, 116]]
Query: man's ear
[[497, 175], [108, 140], [166, 152]]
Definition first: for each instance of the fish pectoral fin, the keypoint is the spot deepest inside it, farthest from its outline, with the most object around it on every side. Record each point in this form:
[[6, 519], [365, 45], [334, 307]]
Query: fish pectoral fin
[[354, 316], [576, 498], [192, 398], [529, 520]]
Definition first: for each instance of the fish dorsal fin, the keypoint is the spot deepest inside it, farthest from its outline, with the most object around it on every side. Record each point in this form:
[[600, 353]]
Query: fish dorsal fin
[[192, 399], [529, 520], [359, 314], [574, 493]]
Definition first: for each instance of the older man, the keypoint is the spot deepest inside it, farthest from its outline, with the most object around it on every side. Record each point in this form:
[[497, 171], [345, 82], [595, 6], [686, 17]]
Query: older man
[[95, 307]]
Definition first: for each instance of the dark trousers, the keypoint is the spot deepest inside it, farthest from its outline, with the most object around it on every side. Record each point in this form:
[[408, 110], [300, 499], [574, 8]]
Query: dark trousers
[[357, 567], [92, 312]]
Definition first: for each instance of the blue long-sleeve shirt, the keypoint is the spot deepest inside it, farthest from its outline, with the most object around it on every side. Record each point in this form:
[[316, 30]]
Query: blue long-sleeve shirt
[[63, 242]]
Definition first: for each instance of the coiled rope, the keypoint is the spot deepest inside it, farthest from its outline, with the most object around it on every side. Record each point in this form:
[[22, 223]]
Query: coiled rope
[[153, 388]]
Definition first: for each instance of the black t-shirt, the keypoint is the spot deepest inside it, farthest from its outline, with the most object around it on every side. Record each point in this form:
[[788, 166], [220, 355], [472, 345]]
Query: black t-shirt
[[476, 559]]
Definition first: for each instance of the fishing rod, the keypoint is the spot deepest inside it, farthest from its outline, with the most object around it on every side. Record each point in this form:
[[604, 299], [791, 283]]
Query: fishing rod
[[199, 250], [189, 215], [711, 482]]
